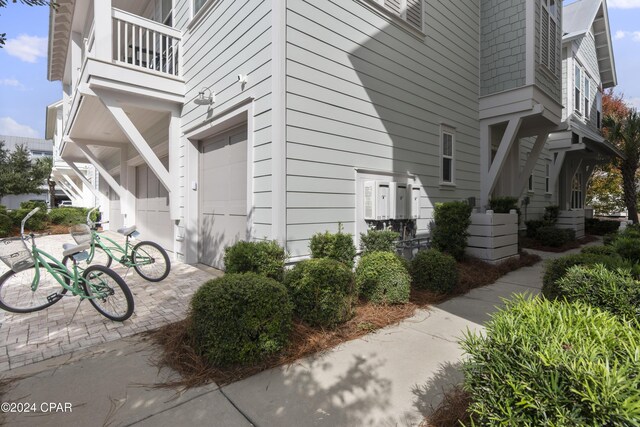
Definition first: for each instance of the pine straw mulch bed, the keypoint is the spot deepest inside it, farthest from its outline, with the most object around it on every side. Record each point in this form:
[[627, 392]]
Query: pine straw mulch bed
[[452, 411], [178, 353], [529, 243]]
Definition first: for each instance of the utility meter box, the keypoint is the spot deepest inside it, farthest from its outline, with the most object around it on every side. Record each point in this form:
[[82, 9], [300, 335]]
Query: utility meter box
[[414, 201], [377, 200], [399, 200]]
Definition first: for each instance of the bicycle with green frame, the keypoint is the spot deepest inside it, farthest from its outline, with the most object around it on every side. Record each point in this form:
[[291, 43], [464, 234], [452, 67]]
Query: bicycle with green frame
[[147, 258], [37, 280]]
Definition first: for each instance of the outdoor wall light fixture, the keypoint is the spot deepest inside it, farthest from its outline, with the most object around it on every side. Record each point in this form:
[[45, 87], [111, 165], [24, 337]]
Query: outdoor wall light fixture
[[205, 100]]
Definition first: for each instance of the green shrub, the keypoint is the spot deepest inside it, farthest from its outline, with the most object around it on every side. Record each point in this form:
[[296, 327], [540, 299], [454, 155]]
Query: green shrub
[[68, 216], [3, 209], [600, 227], [533, 226], [608, 239], [614, 291], [432, 270], [555, 269], [451, 222], [323, 291], [32, 204], [599, 250], [37, 222], [555, 237], [551, 214], [265, 257], [382, 278], [378, 240], [627, 247], [6, 224], [504, 204], [240, 318], [543, 363], [338, 246]]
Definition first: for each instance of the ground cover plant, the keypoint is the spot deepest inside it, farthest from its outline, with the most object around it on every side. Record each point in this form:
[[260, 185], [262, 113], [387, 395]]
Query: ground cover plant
[[540, 363]]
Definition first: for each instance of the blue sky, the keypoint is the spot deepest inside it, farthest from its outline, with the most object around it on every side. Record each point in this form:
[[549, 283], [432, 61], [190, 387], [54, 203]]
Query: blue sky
[[25, 91]]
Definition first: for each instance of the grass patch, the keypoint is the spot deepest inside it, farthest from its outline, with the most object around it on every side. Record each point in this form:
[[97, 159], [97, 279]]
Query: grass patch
[[178, 353]]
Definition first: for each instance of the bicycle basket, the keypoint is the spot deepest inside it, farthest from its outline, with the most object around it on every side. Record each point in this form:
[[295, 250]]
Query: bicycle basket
[[81, 233], [15, 255]]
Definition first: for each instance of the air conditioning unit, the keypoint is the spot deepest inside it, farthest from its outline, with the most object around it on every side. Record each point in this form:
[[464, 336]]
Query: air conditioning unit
[[376, 200], [414, 201]]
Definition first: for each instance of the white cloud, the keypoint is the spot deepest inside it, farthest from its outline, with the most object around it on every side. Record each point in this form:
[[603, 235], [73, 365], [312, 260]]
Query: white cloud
[[11, 83], [634, 35], [624, 4], [10, 127], [27, 48]]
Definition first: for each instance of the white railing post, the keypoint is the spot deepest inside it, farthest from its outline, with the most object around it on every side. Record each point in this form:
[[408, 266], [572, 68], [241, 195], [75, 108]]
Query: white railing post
[[103, 28]]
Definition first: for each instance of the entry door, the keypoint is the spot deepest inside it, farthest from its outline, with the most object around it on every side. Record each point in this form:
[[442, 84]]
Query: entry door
[[153, 217], [223, 194]]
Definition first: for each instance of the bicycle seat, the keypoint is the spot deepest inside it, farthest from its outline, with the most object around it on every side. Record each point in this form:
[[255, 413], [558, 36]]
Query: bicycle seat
[[127, 231], [70, 249]]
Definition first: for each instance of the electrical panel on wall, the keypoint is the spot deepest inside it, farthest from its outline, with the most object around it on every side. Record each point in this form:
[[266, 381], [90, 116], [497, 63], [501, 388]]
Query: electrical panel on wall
[[399, 200], [376, 200], [414, 202]]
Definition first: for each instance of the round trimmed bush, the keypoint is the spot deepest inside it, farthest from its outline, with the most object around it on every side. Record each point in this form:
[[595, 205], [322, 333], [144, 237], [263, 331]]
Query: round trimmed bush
[[240, 318], [544, 363], [555, 237], [36, 223], [323, 291], [555, 269], [434, 271], [338, 246], [382, 278], [266, 258], [378, 241], [68, 216], [627, 247], [615, 291]]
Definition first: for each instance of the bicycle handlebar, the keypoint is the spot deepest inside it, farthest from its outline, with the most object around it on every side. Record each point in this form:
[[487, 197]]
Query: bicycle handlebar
[[26, 218]]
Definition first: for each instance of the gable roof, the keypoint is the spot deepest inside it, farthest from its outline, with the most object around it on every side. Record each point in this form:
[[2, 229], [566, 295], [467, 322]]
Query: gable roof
[[577, 19]]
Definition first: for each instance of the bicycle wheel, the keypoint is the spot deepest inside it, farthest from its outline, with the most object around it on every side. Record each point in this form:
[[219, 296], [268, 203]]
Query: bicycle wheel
[[150, 261], [112, 297], [16, 295], [100, 257]]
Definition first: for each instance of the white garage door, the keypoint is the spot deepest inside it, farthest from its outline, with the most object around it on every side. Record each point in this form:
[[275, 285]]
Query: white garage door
[[223, 194], [152, 207]]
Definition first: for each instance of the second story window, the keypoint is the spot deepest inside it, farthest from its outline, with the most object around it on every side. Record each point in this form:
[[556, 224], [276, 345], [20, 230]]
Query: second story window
[[577, 92], [549, 35], [547, 177], [587, 95], [197, 5], [408, 10], [599, 109]]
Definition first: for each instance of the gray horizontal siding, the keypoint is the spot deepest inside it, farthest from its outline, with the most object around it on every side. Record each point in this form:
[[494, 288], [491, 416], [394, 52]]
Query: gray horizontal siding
[[362, 92]]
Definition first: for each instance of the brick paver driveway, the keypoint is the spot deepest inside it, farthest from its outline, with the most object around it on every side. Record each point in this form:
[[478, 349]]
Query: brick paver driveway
[[29, 338]]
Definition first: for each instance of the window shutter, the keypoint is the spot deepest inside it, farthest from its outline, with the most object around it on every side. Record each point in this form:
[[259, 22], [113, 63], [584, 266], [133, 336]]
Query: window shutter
[[553, 46], [393, 5], [544, 36], [414, 13]]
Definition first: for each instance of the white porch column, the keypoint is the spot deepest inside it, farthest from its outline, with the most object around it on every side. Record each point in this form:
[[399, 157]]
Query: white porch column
[[174, 157], [103, 29]]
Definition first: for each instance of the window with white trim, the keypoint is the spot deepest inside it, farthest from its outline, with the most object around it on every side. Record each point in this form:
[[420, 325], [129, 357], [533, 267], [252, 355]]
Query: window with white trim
[[197, 5], [410, 11], [447, 140], [530, 188], [576, 192], [587, 95], [577, 91], [547, 177], [549, 35], [166, 11]]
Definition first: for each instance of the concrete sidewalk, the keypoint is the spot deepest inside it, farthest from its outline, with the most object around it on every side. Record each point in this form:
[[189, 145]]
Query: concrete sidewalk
[[392, 377]]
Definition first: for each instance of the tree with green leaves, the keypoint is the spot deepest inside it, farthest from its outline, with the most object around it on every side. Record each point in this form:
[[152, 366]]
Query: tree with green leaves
[[19, 174], [3, 3], [624, 132]]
